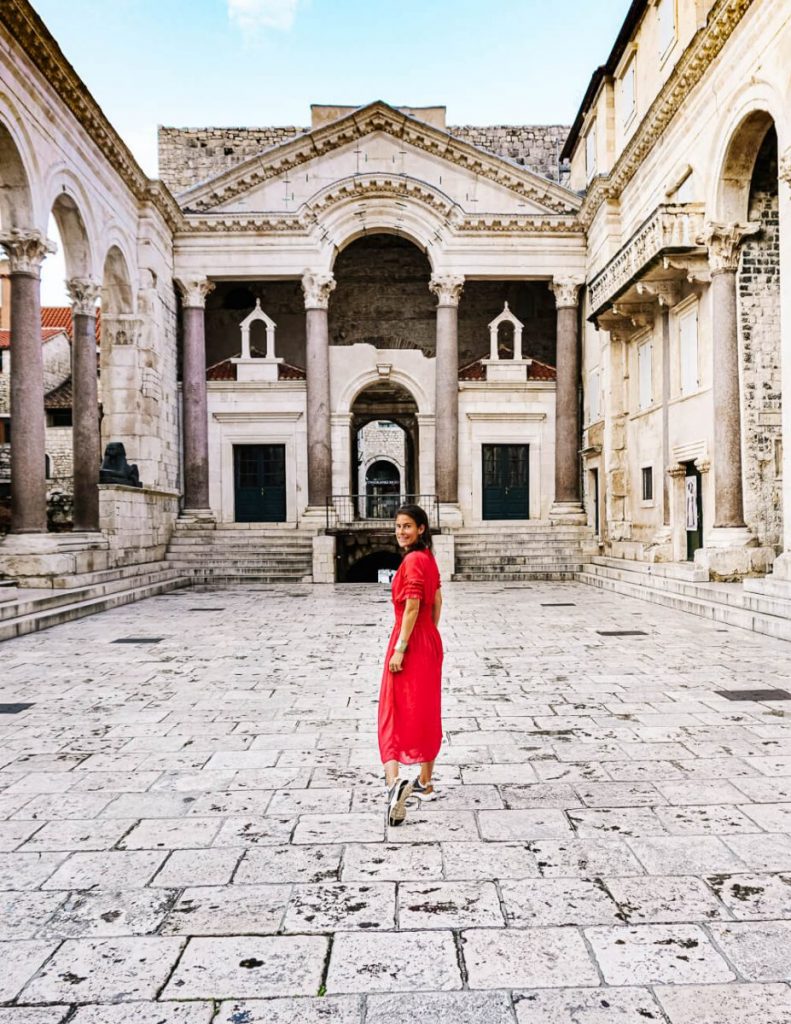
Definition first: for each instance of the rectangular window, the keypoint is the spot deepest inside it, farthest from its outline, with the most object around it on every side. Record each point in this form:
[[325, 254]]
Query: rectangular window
[[645, 382], [590, 151], [627, 93], [688, 351], [666, 19], [594, 396], [648, 483]]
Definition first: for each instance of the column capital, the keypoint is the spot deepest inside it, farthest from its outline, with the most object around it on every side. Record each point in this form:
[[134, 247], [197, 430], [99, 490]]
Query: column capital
[[316, 288], [194, 291], [566, 291], [83, 292], [447, 288], [26, 250], [724, 244]]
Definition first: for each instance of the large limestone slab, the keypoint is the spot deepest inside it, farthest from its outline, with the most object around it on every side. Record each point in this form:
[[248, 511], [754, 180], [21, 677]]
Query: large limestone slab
[[394, 962], [543, 957]]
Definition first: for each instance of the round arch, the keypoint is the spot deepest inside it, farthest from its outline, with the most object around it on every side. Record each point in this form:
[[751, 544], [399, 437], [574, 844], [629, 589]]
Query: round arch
[[16, 197], [71, 207], [357, 385], [117, 293]]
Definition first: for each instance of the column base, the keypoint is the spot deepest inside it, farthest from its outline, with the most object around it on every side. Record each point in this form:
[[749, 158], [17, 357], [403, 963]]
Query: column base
[[315, 518], [445, 555], [568, 512], [660, 549], [42, 559], [196, 518], [450, 516], [781, 568], [731, 553]]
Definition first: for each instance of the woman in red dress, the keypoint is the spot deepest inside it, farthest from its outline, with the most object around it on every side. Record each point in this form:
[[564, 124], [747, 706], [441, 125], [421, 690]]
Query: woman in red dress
[[410, 714]]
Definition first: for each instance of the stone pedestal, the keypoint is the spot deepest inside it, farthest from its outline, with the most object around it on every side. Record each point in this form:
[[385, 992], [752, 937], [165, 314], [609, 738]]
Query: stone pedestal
[[732, 553], [324, 558], [41, 560], [445, 554], [448, 290], [194, 398], [26, 251], [316, 288], [567, 505]]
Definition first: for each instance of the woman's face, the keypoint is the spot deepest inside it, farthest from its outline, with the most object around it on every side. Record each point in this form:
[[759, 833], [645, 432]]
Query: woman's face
[[407, 531]]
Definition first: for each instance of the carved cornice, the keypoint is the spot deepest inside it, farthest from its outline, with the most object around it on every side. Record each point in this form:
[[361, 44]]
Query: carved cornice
[[377, 117], [317, 288], [381, 187], [30, 33], [447, 288], [638, 314], [26, 250], [723, 18], [666, 291], [566, 291], [194, 291], [673, 227], [84, 293], [724, 244]]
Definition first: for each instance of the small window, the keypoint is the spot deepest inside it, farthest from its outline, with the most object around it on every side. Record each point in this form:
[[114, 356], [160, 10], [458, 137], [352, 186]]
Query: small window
[[648, 483], [590, 151], [666, 20], [645, 394], [628, 93], [59, 418], [688, 351]]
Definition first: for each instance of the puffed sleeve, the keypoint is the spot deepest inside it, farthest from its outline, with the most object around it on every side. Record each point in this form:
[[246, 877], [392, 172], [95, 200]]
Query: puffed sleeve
[[414, 586]]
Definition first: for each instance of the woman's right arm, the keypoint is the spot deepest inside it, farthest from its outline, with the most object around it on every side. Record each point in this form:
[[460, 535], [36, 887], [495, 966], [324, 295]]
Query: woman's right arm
[[437, 609]]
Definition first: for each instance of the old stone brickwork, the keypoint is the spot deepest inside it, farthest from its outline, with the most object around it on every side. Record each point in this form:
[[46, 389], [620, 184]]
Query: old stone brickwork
[[188, 156], [375, 442], [759, 311]]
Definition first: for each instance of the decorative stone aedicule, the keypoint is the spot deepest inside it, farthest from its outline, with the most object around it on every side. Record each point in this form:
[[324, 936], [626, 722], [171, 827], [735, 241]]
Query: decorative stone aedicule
[[194, 291], [497, 369], [317, 288], [724, 244], [248, 366], [671, 228], [26, 250], [447, 288], [84, 293]]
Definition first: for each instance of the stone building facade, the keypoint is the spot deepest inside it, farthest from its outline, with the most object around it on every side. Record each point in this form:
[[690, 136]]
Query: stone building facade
[[582, 327]]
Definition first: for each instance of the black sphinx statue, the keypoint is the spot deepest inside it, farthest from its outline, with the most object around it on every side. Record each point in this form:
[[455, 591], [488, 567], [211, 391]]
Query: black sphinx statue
[[115, 469]]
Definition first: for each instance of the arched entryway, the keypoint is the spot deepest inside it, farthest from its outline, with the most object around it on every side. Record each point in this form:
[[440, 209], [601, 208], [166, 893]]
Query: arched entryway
[[385, 448]]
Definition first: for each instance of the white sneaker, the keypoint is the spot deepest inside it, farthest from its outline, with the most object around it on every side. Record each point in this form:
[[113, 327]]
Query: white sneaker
[[424, 793], [399, 793]]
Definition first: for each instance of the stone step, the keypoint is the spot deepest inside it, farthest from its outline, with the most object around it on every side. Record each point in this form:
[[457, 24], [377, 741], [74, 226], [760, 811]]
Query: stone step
[[221, 577], [672, 570], [519, 557], [550, 575], [43, 614], [47, 600], [705, 607]]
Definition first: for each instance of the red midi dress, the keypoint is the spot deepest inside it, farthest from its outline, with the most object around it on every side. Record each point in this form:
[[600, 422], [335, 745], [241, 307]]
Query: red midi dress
[[410, 701]]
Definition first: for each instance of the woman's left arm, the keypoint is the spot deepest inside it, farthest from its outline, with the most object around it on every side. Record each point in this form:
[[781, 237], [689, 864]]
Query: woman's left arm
[[411, 610]]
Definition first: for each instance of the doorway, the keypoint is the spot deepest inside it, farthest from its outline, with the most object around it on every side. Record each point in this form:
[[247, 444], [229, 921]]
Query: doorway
[[693, 509], [259, 472], [594, 492], [505, 481], [382, 490]]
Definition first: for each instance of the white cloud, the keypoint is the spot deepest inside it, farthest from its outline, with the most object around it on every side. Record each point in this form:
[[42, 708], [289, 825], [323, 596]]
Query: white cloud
[[251, 15]]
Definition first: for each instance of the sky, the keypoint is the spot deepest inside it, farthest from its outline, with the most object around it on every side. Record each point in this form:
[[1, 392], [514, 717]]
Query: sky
[[196, 63]]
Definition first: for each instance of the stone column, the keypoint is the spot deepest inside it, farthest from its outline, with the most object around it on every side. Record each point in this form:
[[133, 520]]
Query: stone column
[[724, 241], [317, 287], [567, 501], [26, 251], [194, 402], [448, 289], [782, 566], [83, 293]]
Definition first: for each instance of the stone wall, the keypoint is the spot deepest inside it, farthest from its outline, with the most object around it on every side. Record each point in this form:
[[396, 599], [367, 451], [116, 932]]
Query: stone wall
[[759, 314], [137, 521], [188, 156], [374, 443]]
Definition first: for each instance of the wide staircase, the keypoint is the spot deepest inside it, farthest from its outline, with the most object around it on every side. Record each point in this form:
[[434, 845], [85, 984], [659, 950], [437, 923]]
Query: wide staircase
[[519, 553], [238, 554]]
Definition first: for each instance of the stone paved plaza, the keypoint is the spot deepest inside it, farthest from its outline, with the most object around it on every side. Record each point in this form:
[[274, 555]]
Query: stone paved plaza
[[193, 826]]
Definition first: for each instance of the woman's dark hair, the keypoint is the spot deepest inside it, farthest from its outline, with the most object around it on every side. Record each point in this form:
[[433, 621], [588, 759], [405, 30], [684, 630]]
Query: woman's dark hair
[[418, 516]]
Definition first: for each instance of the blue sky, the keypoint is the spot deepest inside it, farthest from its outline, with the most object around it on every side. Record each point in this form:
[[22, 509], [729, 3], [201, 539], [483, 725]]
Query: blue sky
[[263, 62]]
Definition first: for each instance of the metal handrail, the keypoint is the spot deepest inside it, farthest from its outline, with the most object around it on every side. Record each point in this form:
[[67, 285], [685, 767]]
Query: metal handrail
[[371, 510]]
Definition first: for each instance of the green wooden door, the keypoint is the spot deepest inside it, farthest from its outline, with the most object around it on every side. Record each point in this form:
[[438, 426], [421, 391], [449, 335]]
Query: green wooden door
[[505, 481], [260, 483]]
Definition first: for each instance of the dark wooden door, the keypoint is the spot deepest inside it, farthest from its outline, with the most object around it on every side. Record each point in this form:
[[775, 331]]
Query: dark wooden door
[[505, 481], [693, 510], [260, 483]]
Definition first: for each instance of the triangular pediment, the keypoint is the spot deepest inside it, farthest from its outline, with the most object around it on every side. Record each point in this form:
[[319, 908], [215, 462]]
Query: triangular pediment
[[378, 143]]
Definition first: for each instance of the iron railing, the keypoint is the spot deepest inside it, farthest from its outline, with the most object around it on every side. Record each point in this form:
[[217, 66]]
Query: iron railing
[[374, 510]]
